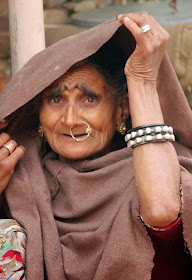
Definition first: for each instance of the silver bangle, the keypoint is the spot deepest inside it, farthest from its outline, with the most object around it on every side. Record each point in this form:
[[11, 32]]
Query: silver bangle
[[150, 139], [148, 130]]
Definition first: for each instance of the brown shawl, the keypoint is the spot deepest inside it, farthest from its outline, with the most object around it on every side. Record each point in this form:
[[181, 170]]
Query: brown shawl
[[82, 219]]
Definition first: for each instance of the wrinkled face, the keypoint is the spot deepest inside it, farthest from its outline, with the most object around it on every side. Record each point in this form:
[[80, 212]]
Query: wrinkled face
[[81, 96]]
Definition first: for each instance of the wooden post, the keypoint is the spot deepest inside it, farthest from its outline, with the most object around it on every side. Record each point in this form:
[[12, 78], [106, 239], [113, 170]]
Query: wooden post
[[27, 33]]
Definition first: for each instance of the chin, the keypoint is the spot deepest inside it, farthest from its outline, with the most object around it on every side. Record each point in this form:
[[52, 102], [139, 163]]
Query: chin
[[78, 151], [76, 155]]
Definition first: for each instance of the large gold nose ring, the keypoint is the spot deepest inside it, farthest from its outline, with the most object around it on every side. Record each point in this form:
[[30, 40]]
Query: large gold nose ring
[[88, 131]]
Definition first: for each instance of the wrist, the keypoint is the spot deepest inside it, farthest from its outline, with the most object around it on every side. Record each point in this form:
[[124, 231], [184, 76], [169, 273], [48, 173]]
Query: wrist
[[144, 103], [141, 81]]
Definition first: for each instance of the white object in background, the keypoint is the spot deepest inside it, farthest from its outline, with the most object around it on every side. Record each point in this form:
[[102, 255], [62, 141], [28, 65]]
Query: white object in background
[[27, 33]]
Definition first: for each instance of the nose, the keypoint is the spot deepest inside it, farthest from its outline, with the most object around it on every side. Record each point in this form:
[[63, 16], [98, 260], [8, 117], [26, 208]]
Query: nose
[[71, 116]]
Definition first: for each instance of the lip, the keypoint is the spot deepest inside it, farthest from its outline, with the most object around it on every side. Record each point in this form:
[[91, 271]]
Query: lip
[[68, 137]]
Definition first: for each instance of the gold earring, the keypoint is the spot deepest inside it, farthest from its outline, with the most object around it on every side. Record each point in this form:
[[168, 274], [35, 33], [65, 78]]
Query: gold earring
[[40, 130], [123, 128]]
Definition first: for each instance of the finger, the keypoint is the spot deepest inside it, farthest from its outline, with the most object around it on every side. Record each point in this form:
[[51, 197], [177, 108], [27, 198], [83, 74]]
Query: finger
[[162, 35], [4, 137], [141, 19], [136, 31], [7, 166], [3, 124], [157, 24], [151, 39], [13, 159], [121, 17], [7, 149]]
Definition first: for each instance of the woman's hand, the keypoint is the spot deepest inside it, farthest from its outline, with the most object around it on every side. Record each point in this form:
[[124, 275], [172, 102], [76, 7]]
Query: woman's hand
[[143, 64], [8, 160]]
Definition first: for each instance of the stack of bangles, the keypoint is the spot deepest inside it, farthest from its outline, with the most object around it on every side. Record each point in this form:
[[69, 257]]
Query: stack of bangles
[[150, 133]]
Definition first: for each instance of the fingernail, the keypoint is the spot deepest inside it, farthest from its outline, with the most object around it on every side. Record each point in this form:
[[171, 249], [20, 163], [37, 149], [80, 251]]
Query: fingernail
[[119, 16], [126, 19], [22, 148], [3, 135]]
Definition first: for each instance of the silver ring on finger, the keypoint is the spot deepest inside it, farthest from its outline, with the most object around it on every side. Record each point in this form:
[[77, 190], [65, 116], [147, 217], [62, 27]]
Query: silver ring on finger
[[145, 28], [10, 147]]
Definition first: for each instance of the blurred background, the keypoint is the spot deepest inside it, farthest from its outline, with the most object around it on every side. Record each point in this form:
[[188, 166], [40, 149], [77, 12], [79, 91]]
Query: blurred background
[[64, 18]]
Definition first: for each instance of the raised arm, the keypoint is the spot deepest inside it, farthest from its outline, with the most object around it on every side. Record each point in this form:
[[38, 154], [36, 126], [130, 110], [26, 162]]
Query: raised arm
[[157, 169]]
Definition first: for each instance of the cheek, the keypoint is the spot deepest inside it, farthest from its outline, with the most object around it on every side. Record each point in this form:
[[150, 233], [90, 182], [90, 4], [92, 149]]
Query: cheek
[[47, 118], [104, 122]]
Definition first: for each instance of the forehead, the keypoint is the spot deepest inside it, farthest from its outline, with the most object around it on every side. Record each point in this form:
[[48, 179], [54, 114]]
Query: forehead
[[82, 75]]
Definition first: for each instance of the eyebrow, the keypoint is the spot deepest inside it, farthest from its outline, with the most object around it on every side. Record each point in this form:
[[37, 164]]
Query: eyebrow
[[87, 91], [56, 92]]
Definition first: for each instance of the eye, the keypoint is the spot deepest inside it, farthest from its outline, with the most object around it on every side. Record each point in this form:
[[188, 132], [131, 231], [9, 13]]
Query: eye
[[91, 99], [55, 100]]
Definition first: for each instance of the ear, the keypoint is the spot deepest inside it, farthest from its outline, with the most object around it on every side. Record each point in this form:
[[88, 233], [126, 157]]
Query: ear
[[122, 110]]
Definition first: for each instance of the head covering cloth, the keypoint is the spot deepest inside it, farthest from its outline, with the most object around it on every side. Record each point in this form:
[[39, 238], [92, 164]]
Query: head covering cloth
[[74, 213]]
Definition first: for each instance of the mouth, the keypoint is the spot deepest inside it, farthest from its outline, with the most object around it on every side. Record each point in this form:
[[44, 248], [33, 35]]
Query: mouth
[[76, 136]]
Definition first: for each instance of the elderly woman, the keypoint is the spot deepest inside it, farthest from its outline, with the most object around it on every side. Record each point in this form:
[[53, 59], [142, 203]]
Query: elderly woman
[[91, 207]]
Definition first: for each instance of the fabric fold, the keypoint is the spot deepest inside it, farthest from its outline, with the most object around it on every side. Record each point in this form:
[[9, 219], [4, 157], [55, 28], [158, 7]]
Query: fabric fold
[[82, 218]]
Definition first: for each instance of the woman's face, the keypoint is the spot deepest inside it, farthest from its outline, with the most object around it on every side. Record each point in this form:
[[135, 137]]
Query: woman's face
[[80, 96]]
